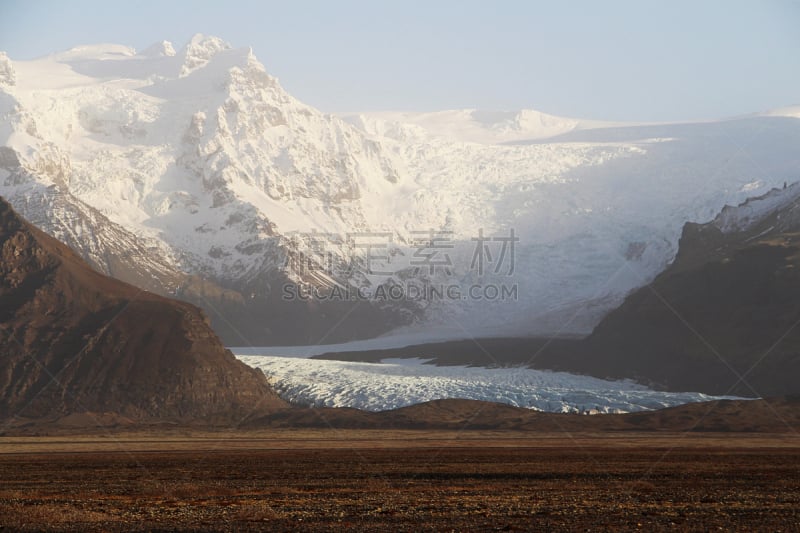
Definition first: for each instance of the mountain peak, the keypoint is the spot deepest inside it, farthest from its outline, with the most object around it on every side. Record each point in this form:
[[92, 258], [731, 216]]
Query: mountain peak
[[199, 51], [159, 49], [201, 40]]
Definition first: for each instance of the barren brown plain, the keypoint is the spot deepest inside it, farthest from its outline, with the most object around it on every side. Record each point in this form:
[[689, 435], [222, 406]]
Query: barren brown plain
[[374, 480]]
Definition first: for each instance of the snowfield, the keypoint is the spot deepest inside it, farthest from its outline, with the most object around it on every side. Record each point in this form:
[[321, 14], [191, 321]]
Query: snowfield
[[397, 383]]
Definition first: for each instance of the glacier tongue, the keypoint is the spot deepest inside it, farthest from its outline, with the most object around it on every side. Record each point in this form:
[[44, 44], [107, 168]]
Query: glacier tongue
[[397, 383], [205, 160]]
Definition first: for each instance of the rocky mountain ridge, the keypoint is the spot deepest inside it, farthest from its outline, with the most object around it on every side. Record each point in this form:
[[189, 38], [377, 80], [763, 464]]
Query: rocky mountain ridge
[[723, 318], [76, 341]]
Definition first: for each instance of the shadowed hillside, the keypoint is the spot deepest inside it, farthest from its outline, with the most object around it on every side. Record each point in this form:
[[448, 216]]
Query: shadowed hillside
[[73, 340]]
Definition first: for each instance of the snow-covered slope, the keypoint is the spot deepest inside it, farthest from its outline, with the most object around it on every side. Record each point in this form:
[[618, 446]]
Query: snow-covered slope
[[401, 382], [474, 125], [194, 160]]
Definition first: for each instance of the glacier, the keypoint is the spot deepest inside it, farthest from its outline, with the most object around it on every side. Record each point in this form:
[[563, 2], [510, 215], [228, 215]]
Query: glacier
[[395, 383], [194, 160]]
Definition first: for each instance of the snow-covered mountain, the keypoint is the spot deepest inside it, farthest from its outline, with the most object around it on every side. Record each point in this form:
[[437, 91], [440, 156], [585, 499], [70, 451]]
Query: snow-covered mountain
[[195, 168]]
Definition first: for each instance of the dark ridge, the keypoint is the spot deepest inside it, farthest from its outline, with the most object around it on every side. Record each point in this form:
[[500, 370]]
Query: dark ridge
[[73, 340]]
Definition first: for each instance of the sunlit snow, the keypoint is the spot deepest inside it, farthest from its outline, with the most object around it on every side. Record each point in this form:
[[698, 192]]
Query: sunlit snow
[[212, 165]]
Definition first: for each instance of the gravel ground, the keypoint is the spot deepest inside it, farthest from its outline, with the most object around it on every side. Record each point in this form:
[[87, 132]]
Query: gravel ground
[[407, 489]]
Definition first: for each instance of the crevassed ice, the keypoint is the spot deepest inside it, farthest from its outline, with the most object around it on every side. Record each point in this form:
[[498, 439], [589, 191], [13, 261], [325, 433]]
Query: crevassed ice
[[401, 382]]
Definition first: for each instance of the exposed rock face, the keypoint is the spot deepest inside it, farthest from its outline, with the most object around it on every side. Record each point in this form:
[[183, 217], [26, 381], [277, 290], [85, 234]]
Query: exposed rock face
[[73, 340], [727, 308]]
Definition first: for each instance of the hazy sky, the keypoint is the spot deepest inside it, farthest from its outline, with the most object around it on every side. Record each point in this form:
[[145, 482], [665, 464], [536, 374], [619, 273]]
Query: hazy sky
[[621, 60]]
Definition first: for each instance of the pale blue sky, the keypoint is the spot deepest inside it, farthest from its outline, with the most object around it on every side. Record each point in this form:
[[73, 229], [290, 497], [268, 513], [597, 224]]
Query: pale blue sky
[[615, 59]]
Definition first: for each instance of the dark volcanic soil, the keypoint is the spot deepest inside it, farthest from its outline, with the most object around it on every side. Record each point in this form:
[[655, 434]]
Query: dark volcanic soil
[[569, 488]]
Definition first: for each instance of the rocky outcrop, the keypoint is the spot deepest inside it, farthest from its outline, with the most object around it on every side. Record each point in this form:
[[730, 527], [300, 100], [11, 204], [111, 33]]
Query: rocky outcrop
[[73, 340], [724, 317]]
